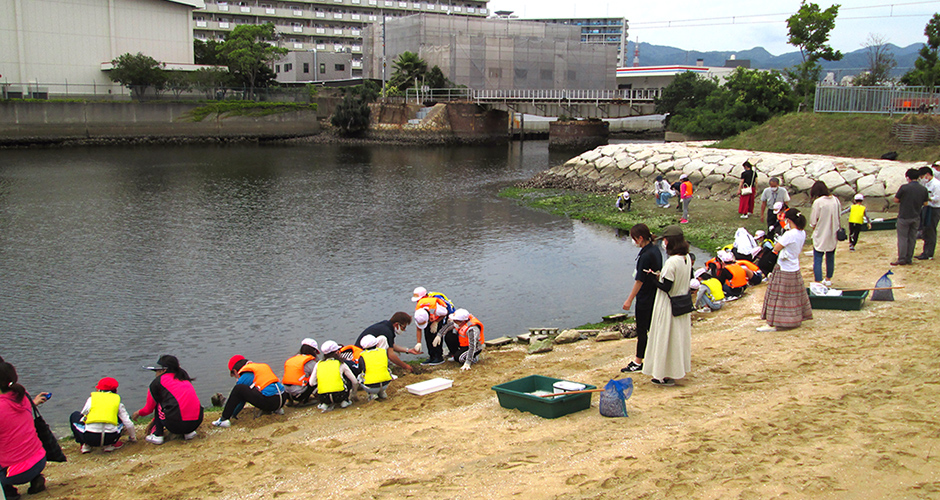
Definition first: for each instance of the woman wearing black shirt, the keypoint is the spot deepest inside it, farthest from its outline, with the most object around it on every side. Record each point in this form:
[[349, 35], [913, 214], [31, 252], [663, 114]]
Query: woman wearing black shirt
[[748, 184], [644, 290]]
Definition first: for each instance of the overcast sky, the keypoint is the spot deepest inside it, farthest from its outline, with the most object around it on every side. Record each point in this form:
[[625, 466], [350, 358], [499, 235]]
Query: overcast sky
[[736, 24]]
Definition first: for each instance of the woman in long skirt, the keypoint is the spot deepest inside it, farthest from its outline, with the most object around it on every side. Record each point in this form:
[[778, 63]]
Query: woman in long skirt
[[669, 352], [786, 304]]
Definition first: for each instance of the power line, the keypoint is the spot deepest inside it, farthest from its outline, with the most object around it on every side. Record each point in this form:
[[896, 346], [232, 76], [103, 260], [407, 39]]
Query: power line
[[733, 21]]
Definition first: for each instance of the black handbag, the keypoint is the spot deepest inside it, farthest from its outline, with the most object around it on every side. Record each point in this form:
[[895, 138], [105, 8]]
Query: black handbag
[[840, 234], [49, 442], [681, 304]]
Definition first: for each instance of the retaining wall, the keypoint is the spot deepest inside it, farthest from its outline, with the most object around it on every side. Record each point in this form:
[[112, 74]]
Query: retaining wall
[[717, 172]]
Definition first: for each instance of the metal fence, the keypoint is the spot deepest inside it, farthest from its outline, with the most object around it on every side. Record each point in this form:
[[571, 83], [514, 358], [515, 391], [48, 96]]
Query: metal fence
[[880, 100], [489, 95], [118, 92]]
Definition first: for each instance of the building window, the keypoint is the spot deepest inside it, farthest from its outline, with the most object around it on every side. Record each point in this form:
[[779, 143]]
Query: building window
[[288, 67], [546, 74], [306, 67], [495, 72], [339, 67], [521, 74], [277, 68], [322, 68]]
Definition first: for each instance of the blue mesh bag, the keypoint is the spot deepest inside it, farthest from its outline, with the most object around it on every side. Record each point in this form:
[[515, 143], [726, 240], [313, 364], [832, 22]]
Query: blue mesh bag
[[883, 282], [613, 400]]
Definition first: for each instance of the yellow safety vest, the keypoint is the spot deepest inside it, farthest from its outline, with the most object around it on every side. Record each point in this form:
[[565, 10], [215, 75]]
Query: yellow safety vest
[[714, 286], [376, 370], [104, 408], [857, 214], [329, 378]]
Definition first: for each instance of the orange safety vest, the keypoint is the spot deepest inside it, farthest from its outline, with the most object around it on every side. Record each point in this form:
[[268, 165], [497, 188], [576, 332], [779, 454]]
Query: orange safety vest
[[430, 304], [462, 331], [738, 276], [688, 187], [717, 263], [351, 348], [294, 369], [264, 376], [748, 264]]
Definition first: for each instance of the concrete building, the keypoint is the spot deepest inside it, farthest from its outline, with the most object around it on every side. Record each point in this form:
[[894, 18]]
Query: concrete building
[[313, 66], [653, 79], [611, 31], [321, 25], [49, 45], [493, 53]]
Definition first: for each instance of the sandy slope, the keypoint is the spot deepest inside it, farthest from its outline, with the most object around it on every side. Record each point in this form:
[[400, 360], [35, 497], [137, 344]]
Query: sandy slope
[[845, 407]]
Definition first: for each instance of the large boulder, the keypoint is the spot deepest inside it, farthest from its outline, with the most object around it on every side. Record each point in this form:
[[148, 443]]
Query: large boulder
[[568, 336], [605, 336], [590, 156], [540, 346], [832, 179]]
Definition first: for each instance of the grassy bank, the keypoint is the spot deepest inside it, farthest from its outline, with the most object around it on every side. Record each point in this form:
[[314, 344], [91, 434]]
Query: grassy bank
[[712, 225], [849, 135]]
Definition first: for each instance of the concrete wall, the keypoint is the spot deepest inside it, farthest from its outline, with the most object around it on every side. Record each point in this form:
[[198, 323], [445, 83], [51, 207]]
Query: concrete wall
[[59, 41], [29, 122]]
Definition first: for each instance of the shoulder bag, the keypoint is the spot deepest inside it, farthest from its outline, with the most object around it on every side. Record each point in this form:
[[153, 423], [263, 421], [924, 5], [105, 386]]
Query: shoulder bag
[[746, 190], [681, 304], [840, 234], [49, 442]]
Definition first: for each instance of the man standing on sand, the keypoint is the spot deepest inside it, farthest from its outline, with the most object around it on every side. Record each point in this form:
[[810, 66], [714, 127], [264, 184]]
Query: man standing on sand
[[911, 198], [770, 197], [931, 213]]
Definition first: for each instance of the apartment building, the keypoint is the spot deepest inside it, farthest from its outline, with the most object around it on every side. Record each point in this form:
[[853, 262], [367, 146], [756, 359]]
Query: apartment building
[[321, 25]]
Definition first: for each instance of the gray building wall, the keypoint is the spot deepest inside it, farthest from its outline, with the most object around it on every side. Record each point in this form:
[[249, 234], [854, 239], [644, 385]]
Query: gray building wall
[[494, 53], [313, 66]]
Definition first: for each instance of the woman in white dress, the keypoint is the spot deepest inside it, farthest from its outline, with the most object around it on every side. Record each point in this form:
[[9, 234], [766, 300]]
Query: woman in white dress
[[669, 352]]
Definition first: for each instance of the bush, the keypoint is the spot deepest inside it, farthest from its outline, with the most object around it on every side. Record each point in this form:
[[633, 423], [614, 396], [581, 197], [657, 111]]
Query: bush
[[351, 116]]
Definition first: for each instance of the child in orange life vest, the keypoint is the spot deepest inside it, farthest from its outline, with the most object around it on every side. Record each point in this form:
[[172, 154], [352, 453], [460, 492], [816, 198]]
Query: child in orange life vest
[[857, 218], [685, 196], [257, 384], [297, 370], [465, 339], [733, 277], [335, 382], [375, 376], [430, 315], [102, 419]]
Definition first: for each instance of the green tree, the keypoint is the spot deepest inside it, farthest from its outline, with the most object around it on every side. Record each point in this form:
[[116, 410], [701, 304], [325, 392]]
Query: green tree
[[208, 52], [212, 81], [687, 90], [351, 116], [138, 73], [926, 70], [248, 51], [178, 82], [880, 62], [809, 31], [408, 68]]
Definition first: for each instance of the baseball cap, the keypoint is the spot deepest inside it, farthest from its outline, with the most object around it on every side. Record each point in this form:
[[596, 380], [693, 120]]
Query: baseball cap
[[683, 176], [368, 341], [421, 318], [234, 359], [419, 293], [859, 197], [778, 206], [699, 272], [460, 315], [310, 342], [330, 346]]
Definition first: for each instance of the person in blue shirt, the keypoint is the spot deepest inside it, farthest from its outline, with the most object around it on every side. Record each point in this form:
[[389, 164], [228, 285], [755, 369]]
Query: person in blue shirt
[[257, 384]]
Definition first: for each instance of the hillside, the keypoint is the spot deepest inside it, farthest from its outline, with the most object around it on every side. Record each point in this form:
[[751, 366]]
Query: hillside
[[855, 136]]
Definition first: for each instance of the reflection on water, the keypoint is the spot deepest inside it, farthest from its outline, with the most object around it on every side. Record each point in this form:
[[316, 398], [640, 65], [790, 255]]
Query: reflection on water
[[112, 257]]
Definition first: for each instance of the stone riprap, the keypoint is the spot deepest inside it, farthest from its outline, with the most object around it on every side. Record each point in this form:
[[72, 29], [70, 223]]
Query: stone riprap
[[717, 172]]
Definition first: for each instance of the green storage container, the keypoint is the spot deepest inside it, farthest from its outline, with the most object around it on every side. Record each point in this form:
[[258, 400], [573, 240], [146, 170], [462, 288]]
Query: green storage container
[[882, 225], [515, 395], [848, 301]]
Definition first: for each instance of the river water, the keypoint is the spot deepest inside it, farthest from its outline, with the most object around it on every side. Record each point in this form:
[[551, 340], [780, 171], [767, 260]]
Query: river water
[[110, 257]]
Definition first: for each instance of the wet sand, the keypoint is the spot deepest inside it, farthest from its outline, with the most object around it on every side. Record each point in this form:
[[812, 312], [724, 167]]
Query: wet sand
[[844, 407]]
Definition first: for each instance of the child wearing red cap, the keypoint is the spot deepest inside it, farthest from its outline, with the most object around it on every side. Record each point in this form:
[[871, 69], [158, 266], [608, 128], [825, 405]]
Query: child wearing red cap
[[257, 385], [102, 419]]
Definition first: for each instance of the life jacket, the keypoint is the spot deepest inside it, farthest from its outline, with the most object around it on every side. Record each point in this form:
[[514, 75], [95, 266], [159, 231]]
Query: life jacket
[[447, 302], [750, 265], [714, 286], [430, 304], [714, 266], [688, 188], [857, 214], [376, 370], [264, 376], [462, 331], [329, 378], [104, 408], [738, 276], [350, 352], [294, 369]]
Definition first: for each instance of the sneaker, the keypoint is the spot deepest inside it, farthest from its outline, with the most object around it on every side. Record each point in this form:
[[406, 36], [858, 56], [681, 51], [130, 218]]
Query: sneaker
[[665, 382], [326, 408], [189, 437], [382, 394], [666, 205], [827, 282], [225, 424], [154, 439], [705, 310], [322, 406], [279, 411], [851, 248], [744, 216], [767, 328], [683, 221], [86, 449], [344, 404], [632, 368], [113, 447]]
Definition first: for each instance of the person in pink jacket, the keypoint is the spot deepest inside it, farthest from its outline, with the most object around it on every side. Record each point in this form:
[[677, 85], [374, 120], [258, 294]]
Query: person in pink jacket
[[22, 457], [173, 397]]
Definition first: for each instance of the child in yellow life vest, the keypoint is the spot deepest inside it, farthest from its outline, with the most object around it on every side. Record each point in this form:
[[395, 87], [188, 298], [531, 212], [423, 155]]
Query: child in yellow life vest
[[335, 382], [375, 376], [857, 218], [102, 419], [710, 294]]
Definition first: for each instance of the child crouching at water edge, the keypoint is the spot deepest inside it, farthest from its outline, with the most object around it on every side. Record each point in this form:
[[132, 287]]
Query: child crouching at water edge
[[335, 382], [102, 419], [375, 377]]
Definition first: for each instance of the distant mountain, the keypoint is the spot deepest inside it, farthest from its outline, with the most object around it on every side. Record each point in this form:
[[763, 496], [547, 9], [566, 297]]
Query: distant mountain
[[852, 63]]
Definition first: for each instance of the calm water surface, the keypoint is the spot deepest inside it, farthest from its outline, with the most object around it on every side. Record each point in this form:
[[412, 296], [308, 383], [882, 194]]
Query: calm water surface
[[110, 257]]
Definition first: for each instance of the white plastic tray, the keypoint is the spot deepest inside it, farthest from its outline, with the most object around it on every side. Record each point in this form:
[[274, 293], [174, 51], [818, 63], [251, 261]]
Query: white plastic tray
[[429, 386]]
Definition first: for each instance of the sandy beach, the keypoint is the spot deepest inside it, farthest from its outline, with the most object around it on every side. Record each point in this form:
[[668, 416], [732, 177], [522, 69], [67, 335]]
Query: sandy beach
[[845, 407]]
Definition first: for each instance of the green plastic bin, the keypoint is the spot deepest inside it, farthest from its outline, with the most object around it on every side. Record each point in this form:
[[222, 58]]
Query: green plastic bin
[[848, 301], [513, 395], [882, 225]]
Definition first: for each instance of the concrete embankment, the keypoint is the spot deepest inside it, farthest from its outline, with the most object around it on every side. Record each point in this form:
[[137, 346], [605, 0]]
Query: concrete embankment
[[717, 172], [26, 123]]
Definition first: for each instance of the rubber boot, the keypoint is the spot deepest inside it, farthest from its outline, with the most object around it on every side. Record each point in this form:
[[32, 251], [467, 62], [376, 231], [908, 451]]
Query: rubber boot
[[38, 484], [9, 491]]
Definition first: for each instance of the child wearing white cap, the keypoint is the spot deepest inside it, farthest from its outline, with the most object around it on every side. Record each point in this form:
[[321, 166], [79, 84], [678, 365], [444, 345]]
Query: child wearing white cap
[[431, 310], [857, 218], [335, 382], [375, 376], [707, 288], [465, 340], [297, 371]]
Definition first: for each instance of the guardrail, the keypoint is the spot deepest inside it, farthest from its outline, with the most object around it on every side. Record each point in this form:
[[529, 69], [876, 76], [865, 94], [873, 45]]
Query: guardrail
[[876, 100], [506, 95]]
